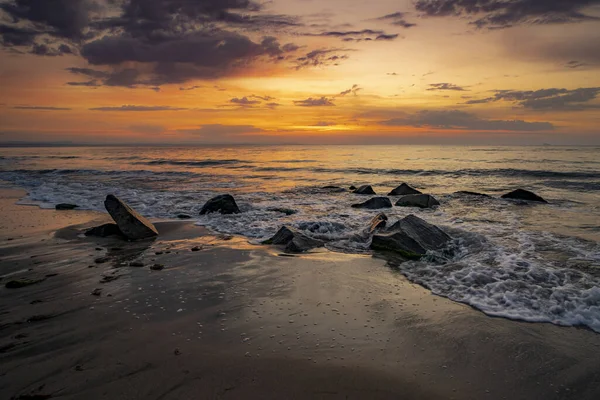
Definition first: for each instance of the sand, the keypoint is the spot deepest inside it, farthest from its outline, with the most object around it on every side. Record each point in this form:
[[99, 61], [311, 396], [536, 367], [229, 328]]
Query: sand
[[234, 320]]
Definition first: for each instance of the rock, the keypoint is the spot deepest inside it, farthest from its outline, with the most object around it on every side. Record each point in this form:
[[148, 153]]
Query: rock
[[102, 260], [136, 264], [411, 237], [21, 283], [474, 194], [66, 206], [132, 224], [97, 292], [418, 200], [375, 203], [104, 231], [109, 278], [365, 189], [335, 189], [353, 188], [295, 241], [157, 267], [521, 194], [224, 204], [197, 248], [378, 222], [286, 211], [403, 190], [184, 216]]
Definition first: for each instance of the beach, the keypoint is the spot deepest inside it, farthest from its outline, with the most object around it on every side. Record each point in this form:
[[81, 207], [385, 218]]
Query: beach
[[235, 320]]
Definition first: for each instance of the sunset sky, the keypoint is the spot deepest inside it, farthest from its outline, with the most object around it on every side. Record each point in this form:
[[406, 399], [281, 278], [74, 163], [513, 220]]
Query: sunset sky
[[300, 71]]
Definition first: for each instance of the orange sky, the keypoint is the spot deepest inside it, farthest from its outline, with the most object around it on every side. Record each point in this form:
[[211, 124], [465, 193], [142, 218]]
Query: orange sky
[[335, 72]]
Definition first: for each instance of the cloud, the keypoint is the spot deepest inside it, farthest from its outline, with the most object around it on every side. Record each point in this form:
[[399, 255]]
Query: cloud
[[494, 14], [353, 90], [314, 102], [244, 102], [324, 124], [397, 19], [445, 86], [41, 108], [191, 88], [322, 57], [45, 50], [455, 119], [133, 108], [365, 34], [552, 99], [150, 129], [219, 130]]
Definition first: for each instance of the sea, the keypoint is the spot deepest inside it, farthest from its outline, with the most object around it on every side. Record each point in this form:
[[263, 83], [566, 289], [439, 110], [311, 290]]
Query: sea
[[511, 259]]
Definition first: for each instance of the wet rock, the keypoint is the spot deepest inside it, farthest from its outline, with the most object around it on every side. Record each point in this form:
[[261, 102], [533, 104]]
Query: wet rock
[[399, 242], [101, 260], [109, 278], [197, 248], [403, 190], [97, 292], [157, 267], [65, 206], [334, 189], [104, 231], [21, 283], [474, 194], [136, 264], [375, 203], [224, 204], [286, 211], [364, 189], [378, 222], [353, 188], [183, 216], [418, 200], [521, 194], [294, 240], [133, 225]]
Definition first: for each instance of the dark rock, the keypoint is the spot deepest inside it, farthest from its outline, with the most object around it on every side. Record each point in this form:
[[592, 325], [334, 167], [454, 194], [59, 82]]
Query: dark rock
[[375, 203], [403, 190], [183, 216], [286, 211], [378, 222], [97, 292], [353, 188], [109, 278], [104, 231], [521, 194], [295, 241], [136, 264], [418, 200], [474, 194], [41, 317], [334, 189], [197, 248], [365, 189], [411, 237], [157, 267], [21, 283], [102, 260], [224, 204], [132, 224], [66, 206]]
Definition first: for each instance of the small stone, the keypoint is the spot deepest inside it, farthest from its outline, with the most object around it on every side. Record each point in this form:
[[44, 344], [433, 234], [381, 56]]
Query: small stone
[[137, 264], [157, 267], [97, 292]]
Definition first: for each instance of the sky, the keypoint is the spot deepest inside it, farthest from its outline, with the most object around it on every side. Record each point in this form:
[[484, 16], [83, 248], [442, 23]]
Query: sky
[[300, 71]]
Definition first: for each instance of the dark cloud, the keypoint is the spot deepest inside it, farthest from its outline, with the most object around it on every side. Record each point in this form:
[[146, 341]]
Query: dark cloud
[[496, 14], [324, 123], [397, 19], [552, 99], [315, 102], [387, 37], [357, 36], [92, 83], [190, 88], [133, 108], [322, 57], [455, 119], [445, 86], [219, 131], [272, 105], [574, 64], [41, 108], [244, 102], [45, 50], [353, 90]]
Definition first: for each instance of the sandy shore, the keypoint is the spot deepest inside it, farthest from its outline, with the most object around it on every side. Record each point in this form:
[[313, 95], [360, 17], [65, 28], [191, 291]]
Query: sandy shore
[[237, 321]]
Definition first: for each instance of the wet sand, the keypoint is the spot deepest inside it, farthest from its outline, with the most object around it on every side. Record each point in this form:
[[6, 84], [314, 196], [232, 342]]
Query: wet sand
[[238, 321]]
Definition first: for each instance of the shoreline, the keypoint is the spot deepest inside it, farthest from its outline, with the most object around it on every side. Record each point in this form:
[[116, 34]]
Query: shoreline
[[236, 320]]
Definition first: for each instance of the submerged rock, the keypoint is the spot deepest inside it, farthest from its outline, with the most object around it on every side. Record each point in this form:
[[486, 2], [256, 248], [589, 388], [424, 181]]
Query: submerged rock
[[353, 188], [104, 231], [21, 283], [133, 225], [378, 222], [295, 241], [375, 203], [474, 194], [418, 200], [411, 237], [403, 190], [286, 211], [335, 189], [364, 189], [184, 216], [521, 194], [65, 206], [224, 204]]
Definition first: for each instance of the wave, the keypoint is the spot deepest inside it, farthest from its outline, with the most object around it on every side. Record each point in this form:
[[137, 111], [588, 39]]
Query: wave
[[202, 163]]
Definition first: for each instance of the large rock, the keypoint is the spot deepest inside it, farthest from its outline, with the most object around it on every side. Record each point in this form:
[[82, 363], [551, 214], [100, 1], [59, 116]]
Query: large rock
[[295, 241], [378, 223], [104, 231], [411, 237], [132, 225], [65, 206], [521, 194], [224, 204], [375, 203], [403, 190], [418, 200], [365, 189]]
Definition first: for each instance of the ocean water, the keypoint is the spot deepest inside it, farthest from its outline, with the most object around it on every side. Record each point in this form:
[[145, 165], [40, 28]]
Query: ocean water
[[536, 262]]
